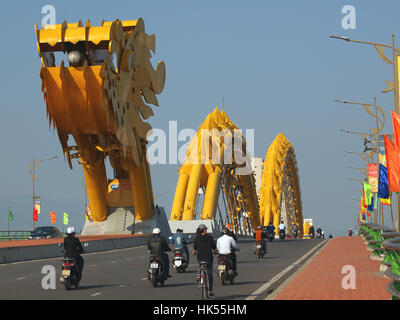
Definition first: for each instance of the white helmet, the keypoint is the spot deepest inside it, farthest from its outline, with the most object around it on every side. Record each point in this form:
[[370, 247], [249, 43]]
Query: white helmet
[[156, 231], [70, 230]]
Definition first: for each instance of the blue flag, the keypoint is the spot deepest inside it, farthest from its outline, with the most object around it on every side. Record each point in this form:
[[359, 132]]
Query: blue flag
[[371, 206], [383, 184]]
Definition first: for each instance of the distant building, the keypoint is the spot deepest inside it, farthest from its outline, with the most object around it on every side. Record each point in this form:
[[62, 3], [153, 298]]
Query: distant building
[[257, 164]]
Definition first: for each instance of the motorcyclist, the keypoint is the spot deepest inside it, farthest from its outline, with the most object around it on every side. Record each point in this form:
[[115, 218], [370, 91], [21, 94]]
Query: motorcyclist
[[295, 230], [73, 249], [271, 229], [350, 232], [311, 232], [282, 228], [319, 232], [260, 237], [226, 245], [204, 247], [158, 246], [230, 232], [179, 241]]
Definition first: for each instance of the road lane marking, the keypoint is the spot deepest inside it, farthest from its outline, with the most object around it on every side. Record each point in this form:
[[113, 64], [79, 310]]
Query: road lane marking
[[22, 278], [264, 287], [96, 294]]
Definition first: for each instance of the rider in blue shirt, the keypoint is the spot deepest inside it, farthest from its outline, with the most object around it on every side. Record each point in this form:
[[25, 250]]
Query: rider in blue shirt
[[179, 242]]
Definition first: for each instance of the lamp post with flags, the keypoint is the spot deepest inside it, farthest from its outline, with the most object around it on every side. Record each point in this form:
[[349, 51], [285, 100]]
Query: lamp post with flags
[[32, 166], [391, 86]]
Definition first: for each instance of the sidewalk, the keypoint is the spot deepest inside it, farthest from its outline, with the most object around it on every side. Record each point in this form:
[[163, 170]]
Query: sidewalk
[[321, 279]]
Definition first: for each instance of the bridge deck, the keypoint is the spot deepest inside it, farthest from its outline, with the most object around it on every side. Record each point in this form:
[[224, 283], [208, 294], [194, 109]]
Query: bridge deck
[[322, 278]]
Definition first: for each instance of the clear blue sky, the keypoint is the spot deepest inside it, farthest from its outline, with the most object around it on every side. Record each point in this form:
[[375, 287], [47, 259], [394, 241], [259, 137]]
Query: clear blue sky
[[272, 61]]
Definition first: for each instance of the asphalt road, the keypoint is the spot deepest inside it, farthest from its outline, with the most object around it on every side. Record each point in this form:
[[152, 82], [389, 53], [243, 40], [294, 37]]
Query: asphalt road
[[121, 274]]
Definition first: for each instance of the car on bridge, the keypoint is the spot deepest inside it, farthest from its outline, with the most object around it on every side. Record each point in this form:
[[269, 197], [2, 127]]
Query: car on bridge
[[45, 233]]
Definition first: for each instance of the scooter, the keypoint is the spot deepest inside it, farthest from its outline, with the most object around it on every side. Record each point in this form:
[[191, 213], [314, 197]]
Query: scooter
[[270, 236], [179, 261], [225, 271], [155, 272], [260, 251], [282, 234]]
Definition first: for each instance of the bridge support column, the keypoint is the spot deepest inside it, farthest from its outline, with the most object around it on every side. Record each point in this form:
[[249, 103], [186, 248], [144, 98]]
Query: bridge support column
[[211, 196], [180, 193], [192, 191]]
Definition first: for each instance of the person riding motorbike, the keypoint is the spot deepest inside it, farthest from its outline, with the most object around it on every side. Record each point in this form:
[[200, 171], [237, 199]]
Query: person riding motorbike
[[295, 229], [73, 249], [179, 242], [158, 246], [226, 245], [271, 229], [282, 228], [204, 247], [230, 232], [319, 232], [311, 232], [260, 236]]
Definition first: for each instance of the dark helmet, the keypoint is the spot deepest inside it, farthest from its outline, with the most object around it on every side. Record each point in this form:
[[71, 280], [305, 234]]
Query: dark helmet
[[179, 230]]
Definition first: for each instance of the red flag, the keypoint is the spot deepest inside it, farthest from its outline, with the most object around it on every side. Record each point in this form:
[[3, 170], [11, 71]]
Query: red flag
[[35, 214], [396, 128], [392, 164], [52, 217]]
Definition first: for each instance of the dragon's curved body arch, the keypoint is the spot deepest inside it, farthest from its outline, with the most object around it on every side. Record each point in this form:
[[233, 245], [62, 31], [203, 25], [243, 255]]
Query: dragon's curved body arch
[[280, 195]]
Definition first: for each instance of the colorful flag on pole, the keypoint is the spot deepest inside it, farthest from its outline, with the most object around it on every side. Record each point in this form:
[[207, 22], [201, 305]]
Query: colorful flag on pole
[[392, 165], [35, 214], [396, 128], [367, 193], [65, 218], [10, 215], [371, 205], [373, 176], [52, 217]]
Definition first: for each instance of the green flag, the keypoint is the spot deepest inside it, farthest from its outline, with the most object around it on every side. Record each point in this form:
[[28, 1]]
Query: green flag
[[65, 218], [368, 193], [10, 215]]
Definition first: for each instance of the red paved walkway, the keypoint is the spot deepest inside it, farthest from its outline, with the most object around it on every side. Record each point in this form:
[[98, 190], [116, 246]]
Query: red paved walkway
[[322, 279], [39, 242]]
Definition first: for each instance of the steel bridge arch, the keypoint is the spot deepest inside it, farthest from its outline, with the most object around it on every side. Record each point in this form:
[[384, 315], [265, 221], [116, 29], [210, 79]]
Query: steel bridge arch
[[280, 194]]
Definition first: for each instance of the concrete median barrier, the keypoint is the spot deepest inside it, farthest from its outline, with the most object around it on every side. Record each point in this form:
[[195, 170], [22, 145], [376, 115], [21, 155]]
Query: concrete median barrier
[[24, 250]]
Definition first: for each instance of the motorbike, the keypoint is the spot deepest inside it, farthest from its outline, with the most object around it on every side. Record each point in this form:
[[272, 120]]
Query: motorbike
[[225, 271], [260, 251], [179, 261], [270, 236], [155, 272], [319, 235], [282, 234], [295, 234], [69, 271]]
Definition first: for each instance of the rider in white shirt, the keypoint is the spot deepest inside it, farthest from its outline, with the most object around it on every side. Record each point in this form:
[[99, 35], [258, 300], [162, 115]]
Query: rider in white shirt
[[225, 244], [282, 226]]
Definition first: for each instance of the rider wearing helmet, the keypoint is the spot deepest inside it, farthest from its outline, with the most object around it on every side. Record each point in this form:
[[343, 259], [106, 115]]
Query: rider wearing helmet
[[260, 237], [226, 246], [179, 241], [158, 245], [73, 248]]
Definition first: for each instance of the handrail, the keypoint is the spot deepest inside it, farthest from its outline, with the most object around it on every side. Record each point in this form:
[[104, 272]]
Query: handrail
[[392, 248]]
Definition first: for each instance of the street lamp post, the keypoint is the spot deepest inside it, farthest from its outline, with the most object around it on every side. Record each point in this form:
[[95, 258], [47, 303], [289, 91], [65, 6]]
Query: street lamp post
[[32, 166], [392, 86]]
